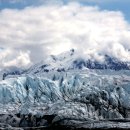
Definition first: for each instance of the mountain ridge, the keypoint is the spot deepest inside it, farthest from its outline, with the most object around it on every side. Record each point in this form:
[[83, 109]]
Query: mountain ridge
[[69, 60]]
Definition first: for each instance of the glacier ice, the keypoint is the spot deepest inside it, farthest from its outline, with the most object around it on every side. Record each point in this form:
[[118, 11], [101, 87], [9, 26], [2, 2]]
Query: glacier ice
[[72, 96]]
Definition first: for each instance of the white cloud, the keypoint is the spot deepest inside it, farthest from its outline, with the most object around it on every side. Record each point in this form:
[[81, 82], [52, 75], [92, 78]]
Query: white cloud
[[21, 60], [10, 57], [53, 29]]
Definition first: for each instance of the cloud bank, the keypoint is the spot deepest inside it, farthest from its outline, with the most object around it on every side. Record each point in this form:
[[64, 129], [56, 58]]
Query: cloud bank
[[29, 35]]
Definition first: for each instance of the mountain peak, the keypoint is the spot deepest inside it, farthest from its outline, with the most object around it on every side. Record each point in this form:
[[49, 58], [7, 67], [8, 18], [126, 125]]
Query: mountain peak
[[72, 61], [72, 51]]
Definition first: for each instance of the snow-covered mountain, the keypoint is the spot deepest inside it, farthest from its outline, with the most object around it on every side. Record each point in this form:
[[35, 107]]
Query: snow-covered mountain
[[72, 61], [68, 61], [66, 90]]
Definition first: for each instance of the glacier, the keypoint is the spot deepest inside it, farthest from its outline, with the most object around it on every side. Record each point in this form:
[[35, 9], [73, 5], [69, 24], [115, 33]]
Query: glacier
[[66, 91], [67, 99]]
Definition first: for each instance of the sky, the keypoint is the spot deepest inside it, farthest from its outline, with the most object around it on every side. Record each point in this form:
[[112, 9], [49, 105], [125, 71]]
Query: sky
[[31, 30]]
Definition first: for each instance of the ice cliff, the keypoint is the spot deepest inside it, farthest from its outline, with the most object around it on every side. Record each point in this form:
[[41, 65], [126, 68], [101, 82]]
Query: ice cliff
[[69, 99]]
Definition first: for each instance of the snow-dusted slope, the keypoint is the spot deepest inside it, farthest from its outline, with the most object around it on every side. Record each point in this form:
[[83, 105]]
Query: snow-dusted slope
[[9, 71], [71, 60], [67, 61]]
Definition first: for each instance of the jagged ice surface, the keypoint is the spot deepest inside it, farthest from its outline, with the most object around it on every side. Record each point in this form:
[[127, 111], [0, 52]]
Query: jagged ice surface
[[74, 96]]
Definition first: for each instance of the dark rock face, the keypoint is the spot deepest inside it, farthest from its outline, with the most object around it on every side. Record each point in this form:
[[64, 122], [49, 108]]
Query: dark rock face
[[109, 63], [48, 122]]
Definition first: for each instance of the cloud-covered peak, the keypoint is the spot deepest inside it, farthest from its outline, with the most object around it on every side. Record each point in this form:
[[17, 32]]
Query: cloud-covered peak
[[30, 34]]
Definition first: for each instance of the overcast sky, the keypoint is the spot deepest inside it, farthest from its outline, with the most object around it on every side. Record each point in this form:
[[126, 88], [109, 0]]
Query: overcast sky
[[30, 30]]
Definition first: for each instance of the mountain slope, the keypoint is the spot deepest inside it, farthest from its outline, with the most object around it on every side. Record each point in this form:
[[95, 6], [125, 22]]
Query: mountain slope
[[65, 62], [10, 71], [72, 61]]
